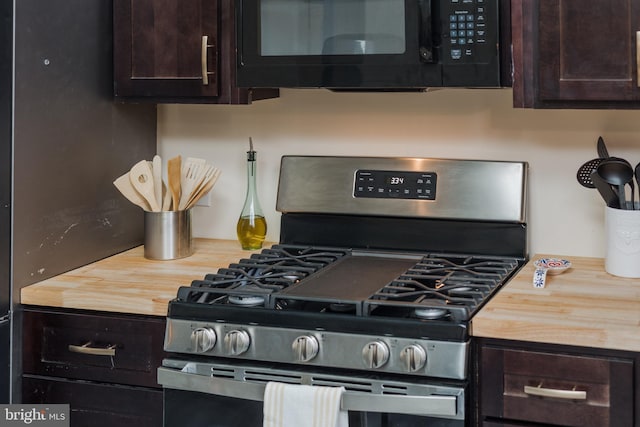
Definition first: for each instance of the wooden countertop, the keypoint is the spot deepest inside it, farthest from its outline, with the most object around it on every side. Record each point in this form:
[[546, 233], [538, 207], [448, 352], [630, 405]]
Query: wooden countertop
[[584, 306], [129, 283]]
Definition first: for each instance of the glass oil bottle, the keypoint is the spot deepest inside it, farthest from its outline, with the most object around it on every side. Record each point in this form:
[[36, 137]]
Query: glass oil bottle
[[252, 226]]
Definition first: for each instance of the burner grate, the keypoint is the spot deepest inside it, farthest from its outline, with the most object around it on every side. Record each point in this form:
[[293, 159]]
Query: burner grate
[[442, 287], [252, 281]]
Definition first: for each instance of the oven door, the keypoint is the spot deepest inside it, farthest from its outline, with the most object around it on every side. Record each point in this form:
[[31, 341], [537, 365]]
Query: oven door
[[336, 44], [215, 394]]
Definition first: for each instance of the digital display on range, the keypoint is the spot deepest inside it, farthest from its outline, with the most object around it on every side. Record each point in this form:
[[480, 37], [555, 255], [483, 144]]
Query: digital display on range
[[395, 184]]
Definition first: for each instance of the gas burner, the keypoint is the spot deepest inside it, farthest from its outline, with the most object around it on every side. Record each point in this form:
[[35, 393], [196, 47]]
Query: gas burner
[[246, 300], [341, 308], [430, 313]]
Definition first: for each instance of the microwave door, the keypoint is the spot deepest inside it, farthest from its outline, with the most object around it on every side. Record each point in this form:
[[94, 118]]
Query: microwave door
[[336, 44]]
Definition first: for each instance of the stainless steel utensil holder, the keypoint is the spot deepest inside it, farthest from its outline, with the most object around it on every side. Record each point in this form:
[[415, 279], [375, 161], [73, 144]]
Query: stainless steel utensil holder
[[167, 235]]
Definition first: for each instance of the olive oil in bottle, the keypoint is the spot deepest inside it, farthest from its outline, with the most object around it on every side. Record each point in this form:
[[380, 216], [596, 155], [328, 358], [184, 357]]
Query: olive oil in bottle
[[252, 226]]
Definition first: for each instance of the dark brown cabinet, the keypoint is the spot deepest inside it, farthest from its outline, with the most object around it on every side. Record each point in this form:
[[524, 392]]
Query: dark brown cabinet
[[572, 54], [178, 51], [103, 365], [524, 385]]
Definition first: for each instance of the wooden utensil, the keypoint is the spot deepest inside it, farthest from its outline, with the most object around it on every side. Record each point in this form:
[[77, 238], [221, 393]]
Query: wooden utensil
[[157, 178], [174, 166], [190, 179], [123, 184], [205, 188], [141, 177], [166, 199]]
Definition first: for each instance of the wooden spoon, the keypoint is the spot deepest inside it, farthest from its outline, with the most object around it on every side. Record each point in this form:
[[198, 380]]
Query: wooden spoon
[[173, 175], [123, 184], [141, 177]]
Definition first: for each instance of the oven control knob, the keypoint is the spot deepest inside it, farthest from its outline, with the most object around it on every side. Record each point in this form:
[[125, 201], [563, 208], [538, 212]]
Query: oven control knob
[[413, 357], [236, 342], [305, 348], [375, 354], [203, 339]]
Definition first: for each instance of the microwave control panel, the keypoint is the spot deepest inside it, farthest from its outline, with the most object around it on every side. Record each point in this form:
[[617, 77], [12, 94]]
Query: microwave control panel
[[395, 184], [470, 31]]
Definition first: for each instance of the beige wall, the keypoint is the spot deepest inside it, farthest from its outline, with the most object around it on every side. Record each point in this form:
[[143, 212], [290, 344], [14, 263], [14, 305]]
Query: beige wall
[[564, 217]]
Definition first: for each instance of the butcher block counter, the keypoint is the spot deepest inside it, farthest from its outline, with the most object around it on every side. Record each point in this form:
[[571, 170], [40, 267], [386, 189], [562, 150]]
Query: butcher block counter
[[583, 306], [129, 283]]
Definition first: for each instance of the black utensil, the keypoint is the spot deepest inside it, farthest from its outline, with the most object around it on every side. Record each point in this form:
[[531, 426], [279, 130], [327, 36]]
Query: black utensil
[[606, 191], [602, 148], [616, 172], [637, 174], [585, 171]]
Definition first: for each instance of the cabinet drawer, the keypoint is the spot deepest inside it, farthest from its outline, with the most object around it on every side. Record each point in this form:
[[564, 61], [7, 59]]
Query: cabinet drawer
[[117, 349], [97, 405], [558, 389]]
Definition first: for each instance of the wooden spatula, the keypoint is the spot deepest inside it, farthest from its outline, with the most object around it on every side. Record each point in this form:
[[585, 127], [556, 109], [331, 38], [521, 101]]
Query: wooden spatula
[[141, 177], [173, 175], [123, 184]]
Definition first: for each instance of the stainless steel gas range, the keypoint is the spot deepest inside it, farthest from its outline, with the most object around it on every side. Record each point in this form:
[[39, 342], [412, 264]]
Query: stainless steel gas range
[[381, 265]]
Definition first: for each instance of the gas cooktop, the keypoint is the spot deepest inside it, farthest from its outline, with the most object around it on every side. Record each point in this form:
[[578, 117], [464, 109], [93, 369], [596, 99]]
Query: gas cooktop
[[353, 282]]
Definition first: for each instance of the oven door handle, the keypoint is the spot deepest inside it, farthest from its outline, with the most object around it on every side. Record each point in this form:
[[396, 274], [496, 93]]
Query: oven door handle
[[434, 406]]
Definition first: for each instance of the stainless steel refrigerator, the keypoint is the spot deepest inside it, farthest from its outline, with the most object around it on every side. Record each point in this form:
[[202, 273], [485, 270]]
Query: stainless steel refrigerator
[[63, 140]]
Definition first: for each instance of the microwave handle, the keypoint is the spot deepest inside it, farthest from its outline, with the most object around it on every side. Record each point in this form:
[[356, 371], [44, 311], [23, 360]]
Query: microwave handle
[[425, 31], [434, 406]]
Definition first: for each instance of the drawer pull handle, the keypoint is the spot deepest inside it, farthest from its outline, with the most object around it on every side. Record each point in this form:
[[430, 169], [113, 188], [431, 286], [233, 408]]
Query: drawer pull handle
[[95, 351], [553, 392]]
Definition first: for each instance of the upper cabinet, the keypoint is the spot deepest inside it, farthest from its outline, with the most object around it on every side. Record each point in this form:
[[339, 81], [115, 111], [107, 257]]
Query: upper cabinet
[[576, 54], [180, 51]]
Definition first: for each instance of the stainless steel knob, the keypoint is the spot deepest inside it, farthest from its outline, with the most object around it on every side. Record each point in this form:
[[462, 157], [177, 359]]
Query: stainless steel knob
[[203, 339], [236, 342], [305, 348], [375, 354], [413, 357]]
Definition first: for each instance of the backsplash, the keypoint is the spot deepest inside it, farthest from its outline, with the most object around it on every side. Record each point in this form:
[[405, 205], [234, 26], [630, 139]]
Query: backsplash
[[564, 217]]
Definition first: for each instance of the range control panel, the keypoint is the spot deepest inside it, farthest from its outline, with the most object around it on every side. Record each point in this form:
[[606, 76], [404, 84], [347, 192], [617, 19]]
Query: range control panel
[[471, 30], [380, 184]]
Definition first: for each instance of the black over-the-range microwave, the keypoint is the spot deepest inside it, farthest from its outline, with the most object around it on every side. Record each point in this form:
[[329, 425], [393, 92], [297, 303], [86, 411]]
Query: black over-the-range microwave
[[373, 44]]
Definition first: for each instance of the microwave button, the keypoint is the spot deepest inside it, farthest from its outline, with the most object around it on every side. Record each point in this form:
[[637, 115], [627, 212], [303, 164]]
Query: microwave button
[[456, 53], [453, 18], [470, 17], [462, 41], [454, 33]]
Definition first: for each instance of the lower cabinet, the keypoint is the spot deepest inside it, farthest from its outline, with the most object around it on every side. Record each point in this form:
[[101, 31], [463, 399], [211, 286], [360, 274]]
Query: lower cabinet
[[102, 364], [525, 385]]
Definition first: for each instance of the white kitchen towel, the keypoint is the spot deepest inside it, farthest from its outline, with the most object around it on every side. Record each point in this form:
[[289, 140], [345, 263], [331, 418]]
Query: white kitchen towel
[[289, 405]]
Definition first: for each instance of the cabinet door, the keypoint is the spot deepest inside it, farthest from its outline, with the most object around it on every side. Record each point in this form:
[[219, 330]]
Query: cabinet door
[[572, 53], [166, 48]]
